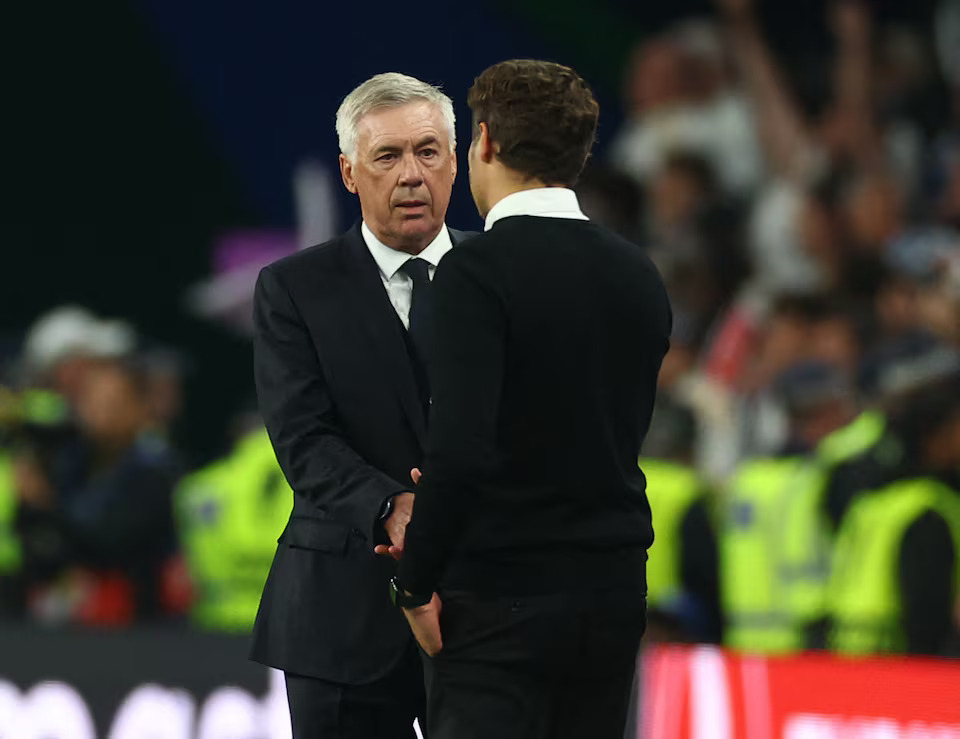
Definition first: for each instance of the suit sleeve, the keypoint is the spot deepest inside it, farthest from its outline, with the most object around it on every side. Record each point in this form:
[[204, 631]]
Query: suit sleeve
[[466, 378], [301, 417]]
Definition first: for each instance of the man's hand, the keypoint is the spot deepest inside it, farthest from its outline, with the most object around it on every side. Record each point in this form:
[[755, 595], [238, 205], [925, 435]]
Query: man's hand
[[396, 523], [425, 625]]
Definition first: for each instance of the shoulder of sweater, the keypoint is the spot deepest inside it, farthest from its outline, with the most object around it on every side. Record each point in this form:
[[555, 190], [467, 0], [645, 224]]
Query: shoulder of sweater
[[499, 242]]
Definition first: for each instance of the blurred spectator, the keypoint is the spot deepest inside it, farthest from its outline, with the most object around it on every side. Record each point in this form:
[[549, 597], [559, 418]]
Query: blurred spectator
[[892, 373], [741, 416], [800, 326], [680, 98], [230, 515], [792, 240], [61, 348], [610, 198], [774, 549], [96, 530], [693, 234], [894, 581], [164, 371], [681, 188], [64, 343]]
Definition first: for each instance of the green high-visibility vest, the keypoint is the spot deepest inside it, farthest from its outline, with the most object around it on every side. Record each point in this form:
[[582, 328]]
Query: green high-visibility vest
[[43, 407], [774, 554], [853, 439], [9, 544], [230, 515], [36, 406], [775, 544], [864, 594], [671, 490]]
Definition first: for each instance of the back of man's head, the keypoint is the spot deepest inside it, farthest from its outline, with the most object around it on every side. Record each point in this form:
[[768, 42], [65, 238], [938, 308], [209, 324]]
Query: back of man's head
[[541, 116]]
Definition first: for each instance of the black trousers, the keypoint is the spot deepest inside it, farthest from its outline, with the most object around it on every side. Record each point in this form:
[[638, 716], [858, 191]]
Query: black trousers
[[545, 667], [384, 709]]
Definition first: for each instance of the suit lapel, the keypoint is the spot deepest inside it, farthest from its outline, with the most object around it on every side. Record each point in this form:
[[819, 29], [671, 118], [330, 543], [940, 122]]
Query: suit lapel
[[378, 318]]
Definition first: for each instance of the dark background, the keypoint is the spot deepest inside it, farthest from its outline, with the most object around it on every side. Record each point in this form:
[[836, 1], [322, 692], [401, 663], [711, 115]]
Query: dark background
[[142, 129]]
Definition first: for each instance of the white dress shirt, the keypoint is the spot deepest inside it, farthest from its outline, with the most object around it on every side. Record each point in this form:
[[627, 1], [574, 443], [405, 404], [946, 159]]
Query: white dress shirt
[[543, 202], [398, 284]]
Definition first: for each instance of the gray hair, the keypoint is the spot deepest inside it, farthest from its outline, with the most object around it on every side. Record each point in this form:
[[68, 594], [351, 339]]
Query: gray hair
[[388, 90]]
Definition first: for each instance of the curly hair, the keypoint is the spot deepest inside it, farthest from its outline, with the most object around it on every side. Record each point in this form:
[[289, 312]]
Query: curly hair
[[542, 116]]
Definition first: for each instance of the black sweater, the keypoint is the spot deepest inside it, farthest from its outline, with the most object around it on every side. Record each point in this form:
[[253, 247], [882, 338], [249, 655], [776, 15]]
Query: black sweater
[[549, 338]]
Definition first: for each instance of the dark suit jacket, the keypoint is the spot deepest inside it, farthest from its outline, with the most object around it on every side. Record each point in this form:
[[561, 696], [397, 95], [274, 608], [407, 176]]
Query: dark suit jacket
[[338, 393]]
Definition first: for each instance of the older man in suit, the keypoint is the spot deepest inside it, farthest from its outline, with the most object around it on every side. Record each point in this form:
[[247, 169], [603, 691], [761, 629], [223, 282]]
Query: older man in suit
[[342, 385]]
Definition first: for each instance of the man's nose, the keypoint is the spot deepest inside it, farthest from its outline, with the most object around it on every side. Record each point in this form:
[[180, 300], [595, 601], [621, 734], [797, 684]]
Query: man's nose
[[410, 172]]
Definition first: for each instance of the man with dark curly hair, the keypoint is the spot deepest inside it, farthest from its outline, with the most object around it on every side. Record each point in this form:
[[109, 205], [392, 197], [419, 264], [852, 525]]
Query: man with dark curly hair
[[522, 573]]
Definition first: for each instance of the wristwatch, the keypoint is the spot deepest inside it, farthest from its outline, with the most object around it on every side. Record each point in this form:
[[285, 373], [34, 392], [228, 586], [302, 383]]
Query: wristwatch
[[386, 509], [402, 599]]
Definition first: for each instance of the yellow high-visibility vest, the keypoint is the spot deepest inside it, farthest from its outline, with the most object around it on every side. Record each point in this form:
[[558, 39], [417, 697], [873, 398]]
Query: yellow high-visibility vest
[[230, 515], [671, 489], [774, 554], [864, 596]]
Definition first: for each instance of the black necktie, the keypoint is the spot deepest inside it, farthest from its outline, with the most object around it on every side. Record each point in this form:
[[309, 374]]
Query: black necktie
[[421, 305]]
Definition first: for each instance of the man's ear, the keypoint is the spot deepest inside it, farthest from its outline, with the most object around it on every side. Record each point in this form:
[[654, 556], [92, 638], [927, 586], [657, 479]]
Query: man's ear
[[485, 147], [346, 174]]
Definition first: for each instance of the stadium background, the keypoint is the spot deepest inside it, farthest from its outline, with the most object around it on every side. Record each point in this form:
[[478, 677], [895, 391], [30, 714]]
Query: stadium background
[[144, 134]]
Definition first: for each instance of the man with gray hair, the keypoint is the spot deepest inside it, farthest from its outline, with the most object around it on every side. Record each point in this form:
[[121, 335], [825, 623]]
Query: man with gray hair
[[339, 348]]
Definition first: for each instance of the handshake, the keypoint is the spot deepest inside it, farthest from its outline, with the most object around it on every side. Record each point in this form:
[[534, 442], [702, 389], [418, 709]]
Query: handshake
[[424, 620], [396, 523]]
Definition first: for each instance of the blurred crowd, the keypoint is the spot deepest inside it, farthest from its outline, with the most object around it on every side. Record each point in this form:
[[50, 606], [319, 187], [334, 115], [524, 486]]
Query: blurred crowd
[[101, 523], [803, 464]]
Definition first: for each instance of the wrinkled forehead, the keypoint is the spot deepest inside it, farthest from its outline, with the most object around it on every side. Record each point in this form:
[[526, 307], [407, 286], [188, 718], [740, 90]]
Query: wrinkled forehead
[[402, 125]]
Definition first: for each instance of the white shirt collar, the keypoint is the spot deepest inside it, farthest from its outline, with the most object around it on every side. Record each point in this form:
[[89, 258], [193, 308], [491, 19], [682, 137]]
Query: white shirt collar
[[544, 202], [390, 260]]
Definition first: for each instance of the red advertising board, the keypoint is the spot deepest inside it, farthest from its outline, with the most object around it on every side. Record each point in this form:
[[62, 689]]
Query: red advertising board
[[707, 693]]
